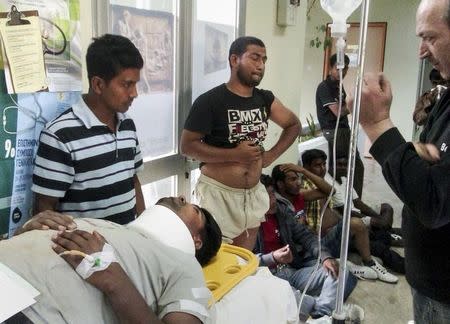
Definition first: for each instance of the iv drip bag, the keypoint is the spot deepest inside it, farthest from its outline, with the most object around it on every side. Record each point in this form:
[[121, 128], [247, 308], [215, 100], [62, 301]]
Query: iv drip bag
[[339, 10]]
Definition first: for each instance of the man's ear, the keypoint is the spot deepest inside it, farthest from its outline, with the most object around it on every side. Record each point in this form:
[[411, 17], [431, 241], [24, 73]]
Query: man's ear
[[97, 84], [280, 185], [233, 59], [198, 243]]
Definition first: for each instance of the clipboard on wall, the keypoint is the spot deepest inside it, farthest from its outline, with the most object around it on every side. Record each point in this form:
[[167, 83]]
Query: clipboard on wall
[[23, 57]]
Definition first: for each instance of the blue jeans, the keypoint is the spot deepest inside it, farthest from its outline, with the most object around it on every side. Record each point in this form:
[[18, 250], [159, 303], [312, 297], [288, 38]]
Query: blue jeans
[[332, 240], [429, 311], [323, 287]]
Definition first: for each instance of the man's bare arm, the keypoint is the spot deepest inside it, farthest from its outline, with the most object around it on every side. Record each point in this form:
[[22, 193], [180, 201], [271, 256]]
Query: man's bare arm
[[291, 126], [130, 306], [323, 187], [365, 209], [125, 299], [43, 202], [140, 203], [192, 145]]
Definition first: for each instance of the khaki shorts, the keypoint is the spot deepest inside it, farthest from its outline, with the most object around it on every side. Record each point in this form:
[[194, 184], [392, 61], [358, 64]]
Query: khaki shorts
[[235, 210]]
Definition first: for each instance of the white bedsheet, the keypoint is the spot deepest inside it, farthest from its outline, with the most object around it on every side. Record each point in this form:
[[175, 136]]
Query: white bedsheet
[[258, 299]]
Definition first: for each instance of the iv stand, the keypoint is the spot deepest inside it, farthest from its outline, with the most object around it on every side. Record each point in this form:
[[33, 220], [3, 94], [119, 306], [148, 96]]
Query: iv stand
[[338, 314]]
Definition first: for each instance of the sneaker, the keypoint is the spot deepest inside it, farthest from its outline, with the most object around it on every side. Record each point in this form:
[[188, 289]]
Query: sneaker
[[354, 314], [382, 273], [362, 272], [397, 240], [321, 320], [377, 259], [396, 230]]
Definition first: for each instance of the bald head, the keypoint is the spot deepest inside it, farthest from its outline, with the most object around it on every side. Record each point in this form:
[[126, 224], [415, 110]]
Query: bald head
[[433, 27], [442, 8]]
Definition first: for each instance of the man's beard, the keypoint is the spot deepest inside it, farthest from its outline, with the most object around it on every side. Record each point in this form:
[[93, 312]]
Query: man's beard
[[248, 81]]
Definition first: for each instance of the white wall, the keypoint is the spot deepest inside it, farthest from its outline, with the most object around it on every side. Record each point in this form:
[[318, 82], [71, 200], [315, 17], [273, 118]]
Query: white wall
[[86, 22], [294, 70], [401, 63], [284, 68]]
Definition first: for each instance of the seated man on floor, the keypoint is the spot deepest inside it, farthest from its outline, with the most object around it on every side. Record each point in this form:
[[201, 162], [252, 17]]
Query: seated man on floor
[[287, 185], [290, 250], [379, 239], [144, 280], [315, 161], [377, 220]]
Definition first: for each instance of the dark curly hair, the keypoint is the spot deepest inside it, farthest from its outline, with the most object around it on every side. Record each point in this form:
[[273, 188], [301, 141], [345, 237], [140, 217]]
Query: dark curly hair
[[211, 236], [310, 155], [107, 55], [277, 175]]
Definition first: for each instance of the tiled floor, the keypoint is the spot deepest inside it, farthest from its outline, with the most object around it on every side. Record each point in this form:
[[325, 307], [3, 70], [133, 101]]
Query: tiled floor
[[383, 303]]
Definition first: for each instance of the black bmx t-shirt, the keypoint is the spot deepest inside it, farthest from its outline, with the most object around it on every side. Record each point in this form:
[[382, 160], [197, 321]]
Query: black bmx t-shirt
[[226, 118], [327, 94]]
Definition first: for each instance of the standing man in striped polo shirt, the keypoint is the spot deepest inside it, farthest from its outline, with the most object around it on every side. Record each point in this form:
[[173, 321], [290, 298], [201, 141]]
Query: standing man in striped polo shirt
[[89, 156]]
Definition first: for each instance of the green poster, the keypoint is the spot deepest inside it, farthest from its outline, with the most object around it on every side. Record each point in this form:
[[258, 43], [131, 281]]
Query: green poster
[[8, 111]]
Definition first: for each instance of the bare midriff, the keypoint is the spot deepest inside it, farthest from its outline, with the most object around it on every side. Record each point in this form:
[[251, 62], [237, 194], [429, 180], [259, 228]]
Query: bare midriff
[[235, 175]]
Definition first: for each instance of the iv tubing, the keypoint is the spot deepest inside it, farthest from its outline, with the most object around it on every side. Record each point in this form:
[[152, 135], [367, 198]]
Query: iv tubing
[[327, 202], [338, 314]]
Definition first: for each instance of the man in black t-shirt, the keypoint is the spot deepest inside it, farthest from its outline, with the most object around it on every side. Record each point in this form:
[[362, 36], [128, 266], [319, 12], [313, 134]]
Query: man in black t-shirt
[[327, 105], [225, 130]]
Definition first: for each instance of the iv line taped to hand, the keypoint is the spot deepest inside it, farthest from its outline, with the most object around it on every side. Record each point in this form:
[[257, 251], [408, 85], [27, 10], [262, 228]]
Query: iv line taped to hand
[[95, 262]]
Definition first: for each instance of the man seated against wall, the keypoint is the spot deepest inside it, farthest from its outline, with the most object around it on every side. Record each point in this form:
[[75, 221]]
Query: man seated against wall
[[378, 223], [290, 250], [379, 244], [89, 156], [314, 161], [138, 277], [287, 184]]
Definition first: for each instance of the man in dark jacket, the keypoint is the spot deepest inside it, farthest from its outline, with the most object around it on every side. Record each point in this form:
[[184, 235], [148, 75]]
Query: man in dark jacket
[[419, 173], [290, 250]]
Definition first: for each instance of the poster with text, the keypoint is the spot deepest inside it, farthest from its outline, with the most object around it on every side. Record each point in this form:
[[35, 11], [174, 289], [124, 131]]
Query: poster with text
[[60, 31], [33, 112], [8, 132]]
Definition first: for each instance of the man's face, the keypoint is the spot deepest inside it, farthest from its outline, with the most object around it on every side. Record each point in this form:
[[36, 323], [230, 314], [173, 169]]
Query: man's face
[[250, 66], [118, 94], [292, 183], [318, 167], [334, 72], [434, 32], [189, 213]]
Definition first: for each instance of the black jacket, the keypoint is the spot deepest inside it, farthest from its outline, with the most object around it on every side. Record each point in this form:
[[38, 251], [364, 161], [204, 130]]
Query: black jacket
[[302, 242], [424, 188]]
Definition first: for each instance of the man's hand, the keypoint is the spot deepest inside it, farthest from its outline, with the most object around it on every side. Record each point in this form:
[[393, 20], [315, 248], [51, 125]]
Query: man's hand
[[48, 219], [332, 267], [376, 99], [291, 167], [87, 243], [427, 152], [283, 255], [247, 152]]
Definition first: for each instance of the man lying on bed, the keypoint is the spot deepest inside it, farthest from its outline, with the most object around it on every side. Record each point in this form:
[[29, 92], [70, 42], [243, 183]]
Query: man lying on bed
[[143, 279]]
